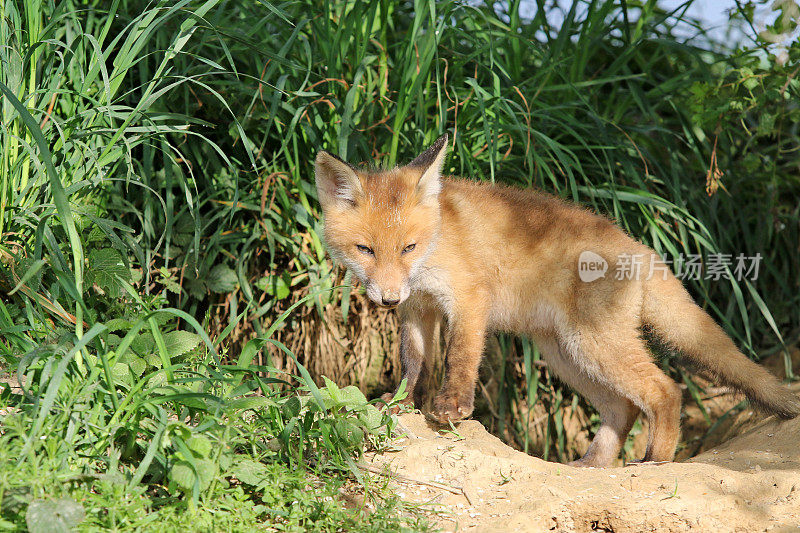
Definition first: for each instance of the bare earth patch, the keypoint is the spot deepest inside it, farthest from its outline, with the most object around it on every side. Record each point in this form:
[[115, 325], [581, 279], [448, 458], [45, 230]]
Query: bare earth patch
[[749, 483]]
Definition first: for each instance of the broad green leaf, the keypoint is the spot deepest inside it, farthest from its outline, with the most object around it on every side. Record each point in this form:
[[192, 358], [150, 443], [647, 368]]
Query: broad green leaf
[[196, 287], [371, 417], [143, 344], [291, 407], [153, 360], [251, 402], [351, 397], [183, 475], [180, 342], [116, 324], [350, 433], [277, 286], [332, 389], [121, 372], [250, 472], [137, 364], [200, 445], [105, 265], [221, 279]]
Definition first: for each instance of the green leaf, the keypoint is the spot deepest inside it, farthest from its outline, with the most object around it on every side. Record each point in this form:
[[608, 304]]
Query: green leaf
[[350, 433], [143, 344], [291, 407], [121, 372], [749, 80], [117, 324], [105, 265], [53, 516], [371, 417], [171, 285], [332, 389], [137, 364], [250, 472], [153, 360], [352, 398], [250, 402], [277, 286], [196, 287], [181, 342], [182, 474], [221, 279], [766, 124], [200, 445]]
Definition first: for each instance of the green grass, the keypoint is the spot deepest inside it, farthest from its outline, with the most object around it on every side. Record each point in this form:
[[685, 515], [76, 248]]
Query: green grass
[[122, 410], [160, 236]]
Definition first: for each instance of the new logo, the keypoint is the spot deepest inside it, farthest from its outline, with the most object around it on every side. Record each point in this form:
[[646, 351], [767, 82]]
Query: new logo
[[591, 266]]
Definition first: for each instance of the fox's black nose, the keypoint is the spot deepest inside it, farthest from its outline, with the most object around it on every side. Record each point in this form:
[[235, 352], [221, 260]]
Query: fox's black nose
[[390, 301]]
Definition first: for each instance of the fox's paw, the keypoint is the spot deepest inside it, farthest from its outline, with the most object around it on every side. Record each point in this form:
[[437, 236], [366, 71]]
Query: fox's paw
[[451, 408]]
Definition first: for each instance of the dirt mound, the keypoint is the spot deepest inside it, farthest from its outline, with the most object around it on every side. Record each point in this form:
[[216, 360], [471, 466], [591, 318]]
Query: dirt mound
[[750, 483]]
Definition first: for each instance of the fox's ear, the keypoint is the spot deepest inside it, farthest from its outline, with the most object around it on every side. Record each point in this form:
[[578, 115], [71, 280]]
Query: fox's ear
[[430, 161], [337, 181]]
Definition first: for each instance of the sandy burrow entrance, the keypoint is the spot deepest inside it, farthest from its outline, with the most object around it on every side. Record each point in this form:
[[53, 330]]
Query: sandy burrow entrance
[[751, 483]]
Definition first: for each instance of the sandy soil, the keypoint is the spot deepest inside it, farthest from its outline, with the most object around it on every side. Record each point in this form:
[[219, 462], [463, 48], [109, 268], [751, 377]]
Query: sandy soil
[[749, 483]]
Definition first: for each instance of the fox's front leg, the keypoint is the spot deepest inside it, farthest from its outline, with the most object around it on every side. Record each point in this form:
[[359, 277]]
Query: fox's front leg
[[417, 343], [466, 339]]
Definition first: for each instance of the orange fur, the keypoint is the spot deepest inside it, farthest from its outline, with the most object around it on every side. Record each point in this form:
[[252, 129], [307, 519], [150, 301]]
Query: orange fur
[[488, 257]]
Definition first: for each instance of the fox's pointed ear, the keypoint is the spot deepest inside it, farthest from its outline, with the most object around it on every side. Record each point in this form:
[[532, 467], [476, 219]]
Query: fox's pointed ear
[[337, 181], [430, 161]]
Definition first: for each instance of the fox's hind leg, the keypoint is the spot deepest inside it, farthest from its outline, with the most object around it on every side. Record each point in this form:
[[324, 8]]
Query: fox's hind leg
[[418, 320], [617, 413], [619, 359]]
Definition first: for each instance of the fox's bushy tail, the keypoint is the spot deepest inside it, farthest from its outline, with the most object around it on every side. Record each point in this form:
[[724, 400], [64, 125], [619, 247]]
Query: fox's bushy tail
[[676, 319]]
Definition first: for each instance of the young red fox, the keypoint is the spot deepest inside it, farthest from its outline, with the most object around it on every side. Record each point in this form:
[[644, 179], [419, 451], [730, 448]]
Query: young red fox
[[487, 257]]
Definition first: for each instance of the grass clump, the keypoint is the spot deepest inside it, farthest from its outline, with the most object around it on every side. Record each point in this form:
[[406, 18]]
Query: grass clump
[[199, 445], [119, 410]]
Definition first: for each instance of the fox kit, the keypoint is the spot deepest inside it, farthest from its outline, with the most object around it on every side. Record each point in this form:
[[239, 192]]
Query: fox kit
[[486, 257]]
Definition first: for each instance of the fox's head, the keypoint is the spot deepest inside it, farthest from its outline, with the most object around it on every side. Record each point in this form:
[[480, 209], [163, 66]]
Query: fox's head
[[382, 225]]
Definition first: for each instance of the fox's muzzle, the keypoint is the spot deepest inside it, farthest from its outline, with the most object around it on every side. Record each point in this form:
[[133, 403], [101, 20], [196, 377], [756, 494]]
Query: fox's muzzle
[[390, 298], [387, 297]]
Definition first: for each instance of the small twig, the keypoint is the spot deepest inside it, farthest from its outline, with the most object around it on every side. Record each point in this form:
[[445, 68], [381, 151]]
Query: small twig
[[489, 402], [53, 103], [788, 80]]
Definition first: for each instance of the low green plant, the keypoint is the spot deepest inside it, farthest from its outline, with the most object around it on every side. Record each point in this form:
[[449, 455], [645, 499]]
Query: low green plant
[[192, 436], [119, 410]]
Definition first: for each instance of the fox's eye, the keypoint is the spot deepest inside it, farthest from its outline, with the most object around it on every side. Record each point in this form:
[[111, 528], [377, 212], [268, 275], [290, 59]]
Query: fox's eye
[[409, 248], [365, 249]]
